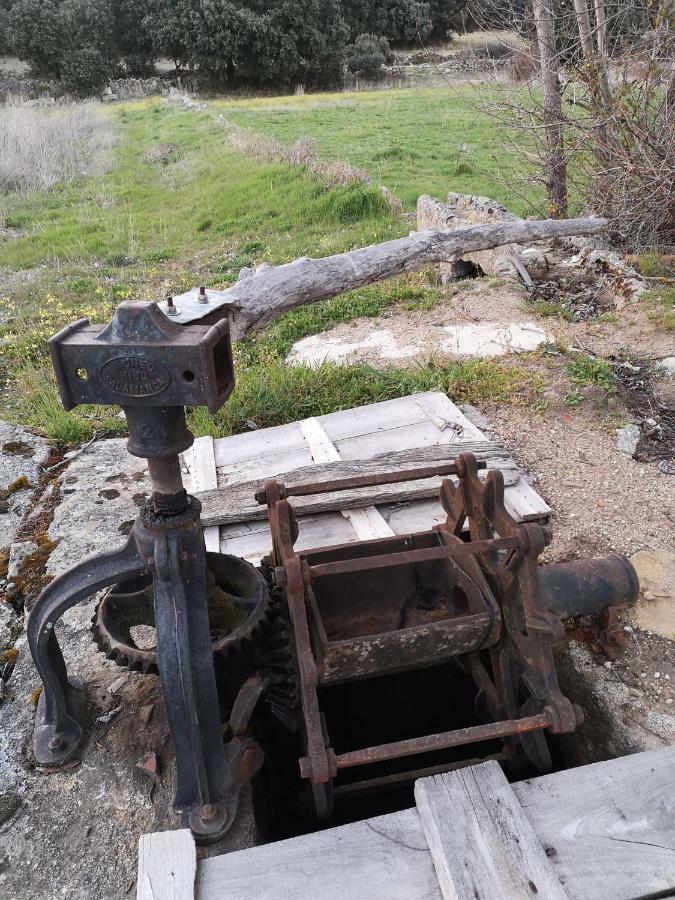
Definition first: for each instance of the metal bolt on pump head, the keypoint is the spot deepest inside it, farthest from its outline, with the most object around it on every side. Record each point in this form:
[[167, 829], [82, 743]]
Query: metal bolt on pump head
[[203, 297], [171, 310]]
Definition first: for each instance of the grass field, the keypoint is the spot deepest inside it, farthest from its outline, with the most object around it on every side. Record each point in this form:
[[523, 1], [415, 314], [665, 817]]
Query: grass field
[[412, 141], [180, 206]]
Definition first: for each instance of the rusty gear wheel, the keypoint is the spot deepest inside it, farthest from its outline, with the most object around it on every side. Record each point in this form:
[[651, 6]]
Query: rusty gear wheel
[[239, 606]]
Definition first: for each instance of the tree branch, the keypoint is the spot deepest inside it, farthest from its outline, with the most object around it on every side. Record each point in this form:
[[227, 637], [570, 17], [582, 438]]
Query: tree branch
[[272, 291]]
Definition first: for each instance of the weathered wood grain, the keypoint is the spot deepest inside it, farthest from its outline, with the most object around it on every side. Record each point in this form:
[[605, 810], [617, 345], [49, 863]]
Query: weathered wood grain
[[167, 866], [367, 521], [482, 845], [385, 858], [264, 295], [204, 477], [608, 828], [236, 502]]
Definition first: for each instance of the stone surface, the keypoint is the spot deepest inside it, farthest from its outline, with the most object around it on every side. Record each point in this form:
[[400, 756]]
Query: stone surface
[[18, 552], [459, 211], [74, 833], [534, 261], [618, 717], [627, 439], [667, 365], [102, 490], [656, 611], [9, 625], [494, 339], [21, 454], [455, 340]]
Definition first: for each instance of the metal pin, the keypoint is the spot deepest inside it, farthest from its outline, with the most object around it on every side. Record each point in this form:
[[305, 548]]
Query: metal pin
[[171, 310], [202, 295]]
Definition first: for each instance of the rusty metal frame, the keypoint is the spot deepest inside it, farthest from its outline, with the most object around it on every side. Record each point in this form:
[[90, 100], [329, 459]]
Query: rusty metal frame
[[516, 651]]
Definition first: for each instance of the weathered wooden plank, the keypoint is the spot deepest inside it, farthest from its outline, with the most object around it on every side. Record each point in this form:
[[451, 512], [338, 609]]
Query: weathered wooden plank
[[367, 522], [608, 828], [235, 502], [481, 843], [252, 540], [388, 415], [385, 858], [417, 421], [167, 866], [204, 478], [448, 417], [282, 440]]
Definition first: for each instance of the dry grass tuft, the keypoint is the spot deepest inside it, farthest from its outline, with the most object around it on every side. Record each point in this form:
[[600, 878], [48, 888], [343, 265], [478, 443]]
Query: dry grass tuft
[[41, 147], [302, 153]]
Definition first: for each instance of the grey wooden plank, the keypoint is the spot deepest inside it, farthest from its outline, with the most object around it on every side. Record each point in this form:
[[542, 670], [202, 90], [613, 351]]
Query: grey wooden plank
[[385, 858], [282, 439], [364, 519], [448, 417], [481, 843], [252, 540], [203, 477], [385, 416], [235, 502], [609, 828], [167, 866]]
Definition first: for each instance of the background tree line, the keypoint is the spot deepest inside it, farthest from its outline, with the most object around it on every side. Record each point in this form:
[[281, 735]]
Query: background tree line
[[84, 43]]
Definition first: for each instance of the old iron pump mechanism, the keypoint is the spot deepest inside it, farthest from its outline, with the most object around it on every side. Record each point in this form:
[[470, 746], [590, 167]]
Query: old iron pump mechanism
[[469, 592]]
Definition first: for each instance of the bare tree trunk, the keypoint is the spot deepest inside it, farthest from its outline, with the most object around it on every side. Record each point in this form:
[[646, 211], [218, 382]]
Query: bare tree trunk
[[556, 165], [272, 291], [601, 27], [596, 73], [584, 26]]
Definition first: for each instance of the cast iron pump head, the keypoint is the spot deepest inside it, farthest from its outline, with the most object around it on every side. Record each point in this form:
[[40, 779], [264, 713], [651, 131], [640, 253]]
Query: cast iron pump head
[[153, 368]]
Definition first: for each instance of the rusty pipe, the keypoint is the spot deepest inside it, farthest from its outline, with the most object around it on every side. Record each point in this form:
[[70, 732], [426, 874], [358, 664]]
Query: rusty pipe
[[588, 586]]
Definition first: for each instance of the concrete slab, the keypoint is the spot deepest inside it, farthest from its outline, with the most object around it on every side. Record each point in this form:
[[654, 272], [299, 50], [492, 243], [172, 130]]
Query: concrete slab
[[488, 339]]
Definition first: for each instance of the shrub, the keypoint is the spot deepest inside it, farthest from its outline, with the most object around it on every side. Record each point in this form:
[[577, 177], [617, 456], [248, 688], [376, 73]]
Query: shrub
[[367, 56], [85, 71], [353, 202]]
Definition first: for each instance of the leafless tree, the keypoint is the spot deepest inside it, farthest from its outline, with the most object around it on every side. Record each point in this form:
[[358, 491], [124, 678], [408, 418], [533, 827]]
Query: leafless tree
[[595, 117]]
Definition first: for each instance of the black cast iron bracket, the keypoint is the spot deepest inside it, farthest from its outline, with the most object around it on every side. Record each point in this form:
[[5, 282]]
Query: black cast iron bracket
[[152, 368]]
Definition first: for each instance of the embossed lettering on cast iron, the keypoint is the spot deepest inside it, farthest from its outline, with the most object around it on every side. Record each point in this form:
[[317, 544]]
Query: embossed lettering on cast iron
[[135, 376]]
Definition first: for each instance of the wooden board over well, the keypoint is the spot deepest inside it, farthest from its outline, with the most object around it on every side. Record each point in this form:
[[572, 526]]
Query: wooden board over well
[[599, 832], [404, 433]]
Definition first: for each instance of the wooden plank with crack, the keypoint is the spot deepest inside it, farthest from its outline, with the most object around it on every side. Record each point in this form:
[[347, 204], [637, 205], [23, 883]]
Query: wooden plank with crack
[[236, 502], [609, 827], [481, 842], [383, 857]]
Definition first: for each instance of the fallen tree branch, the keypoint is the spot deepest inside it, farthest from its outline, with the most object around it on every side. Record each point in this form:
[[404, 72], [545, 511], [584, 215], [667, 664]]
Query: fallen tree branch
[[272, 291]]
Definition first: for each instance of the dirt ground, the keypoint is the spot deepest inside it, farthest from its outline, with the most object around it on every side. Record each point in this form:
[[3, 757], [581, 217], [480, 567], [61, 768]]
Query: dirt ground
[[481, 301]]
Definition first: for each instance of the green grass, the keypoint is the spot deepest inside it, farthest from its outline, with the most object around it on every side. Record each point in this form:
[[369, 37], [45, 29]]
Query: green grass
[[588, 371], [549, 309], [430, 140], [662, 302]]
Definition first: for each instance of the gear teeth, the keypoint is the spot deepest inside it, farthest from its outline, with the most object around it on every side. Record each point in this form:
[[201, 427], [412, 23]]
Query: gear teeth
[[127, 656]]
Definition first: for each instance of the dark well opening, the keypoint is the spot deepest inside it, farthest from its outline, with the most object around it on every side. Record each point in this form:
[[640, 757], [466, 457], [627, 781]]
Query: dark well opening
[[361, 714]]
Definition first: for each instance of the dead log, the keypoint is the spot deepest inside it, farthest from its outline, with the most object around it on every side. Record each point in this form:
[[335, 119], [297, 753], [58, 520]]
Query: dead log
[[274, 290]]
